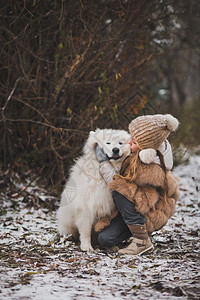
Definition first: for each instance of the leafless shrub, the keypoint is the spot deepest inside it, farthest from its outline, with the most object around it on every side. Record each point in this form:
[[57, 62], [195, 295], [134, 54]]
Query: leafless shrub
[[68, 67]]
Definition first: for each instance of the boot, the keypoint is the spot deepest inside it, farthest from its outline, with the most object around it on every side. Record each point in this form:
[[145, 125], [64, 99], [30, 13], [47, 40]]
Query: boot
[[141, 242]]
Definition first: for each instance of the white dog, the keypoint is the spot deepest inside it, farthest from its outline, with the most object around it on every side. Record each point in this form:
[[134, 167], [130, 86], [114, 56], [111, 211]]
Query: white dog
[[86, 196]]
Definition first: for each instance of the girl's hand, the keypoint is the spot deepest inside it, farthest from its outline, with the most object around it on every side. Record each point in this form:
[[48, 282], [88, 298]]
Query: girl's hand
[[100, 154]]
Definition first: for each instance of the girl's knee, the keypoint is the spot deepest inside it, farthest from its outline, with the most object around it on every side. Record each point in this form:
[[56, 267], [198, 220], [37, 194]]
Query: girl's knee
[[104, 240]]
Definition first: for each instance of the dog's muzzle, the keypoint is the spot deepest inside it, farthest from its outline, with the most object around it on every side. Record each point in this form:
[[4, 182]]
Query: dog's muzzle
[[115, 155]]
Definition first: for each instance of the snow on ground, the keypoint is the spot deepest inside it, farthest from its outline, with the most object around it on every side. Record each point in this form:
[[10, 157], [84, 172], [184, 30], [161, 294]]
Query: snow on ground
[[36, 264]]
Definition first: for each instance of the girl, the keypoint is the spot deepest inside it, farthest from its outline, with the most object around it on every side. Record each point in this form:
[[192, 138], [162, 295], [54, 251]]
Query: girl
[[144, 193]]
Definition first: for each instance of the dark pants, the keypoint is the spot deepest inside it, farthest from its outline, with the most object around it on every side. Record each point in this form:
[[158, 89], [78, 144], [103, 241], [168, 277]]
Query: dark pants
[[118, 230]]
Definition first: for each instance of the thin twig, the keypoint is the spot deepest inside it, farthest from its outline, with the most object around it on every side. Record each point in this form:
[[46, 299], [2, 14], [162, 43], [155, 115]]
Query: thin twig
[[9, 97], [45, 124], [25, 188]]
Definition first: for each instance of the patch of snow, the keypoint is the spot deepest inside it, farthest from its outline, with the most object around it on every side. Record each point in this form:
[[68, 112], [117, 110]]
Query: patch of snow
[[35, 265]]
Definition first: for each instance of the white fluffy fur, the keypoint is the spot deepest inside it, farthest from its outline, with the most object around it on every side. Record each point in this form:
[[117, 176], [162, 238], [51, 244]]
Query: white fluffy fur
[[86, 196], [147, 156], [172, 123]]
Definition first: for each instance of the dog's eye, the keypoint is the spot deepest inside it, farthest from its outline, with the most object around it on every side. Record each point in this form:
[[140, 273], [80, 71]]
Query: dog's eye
[[120, 143], [108, 143]]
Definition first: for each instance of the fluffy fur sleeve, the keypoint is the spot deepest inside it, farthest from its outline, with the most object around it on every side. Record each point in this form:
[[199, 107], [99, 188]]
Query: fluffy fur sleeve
[[121, 186], [103, 222], [151, 174], [172, 182], [145, 199]]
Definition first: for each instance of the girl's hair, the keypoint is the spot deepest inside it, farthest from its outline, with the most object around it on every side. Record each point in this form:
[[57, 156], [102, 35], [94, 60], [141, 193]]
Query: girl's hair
[[131, 166]]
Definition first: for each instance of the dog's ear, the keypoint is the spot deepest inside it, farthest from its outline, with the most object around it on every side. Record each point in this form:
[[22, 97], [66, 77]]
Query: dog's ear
[[95, 132]]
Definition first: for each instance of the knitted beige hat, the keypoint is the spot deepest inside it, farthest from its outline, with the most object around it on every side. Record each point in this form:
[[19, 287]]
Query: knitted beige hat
[[151, 130]]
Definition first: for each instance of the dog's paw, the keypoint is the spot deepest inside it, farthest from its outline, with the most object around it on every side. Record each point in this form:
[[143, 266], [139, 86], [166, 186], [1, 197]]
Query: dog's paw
[[87, 248]]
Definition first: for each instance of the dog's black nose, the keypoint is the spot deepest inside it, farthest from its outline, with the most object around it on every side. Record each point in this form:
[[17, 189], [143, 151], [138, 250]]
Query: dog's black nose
[[115, 150]]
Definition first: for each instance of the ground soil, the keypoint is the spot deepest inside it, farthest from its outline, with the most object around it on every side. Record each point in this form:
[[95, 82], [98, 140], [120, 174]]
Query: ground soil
[[37, 264]]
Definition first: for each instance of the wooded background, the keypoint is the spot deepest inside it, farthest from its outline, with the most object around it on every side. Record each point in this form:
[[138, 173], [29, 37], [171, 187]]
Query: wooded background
[[68, 67]]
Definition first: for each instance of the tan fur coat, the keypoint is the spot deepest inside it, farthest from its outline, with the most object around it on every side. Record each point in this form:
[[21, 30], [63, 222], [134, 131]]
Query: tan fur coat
[[147, 192]]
